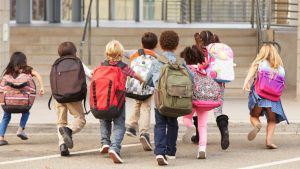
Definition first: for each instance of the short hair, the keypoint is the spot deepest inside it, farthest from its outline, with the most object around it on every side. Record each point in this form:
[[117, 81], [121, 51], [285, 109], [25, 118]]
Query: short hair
[[114, 51], [66, 49], [169, 40], [149, 40]]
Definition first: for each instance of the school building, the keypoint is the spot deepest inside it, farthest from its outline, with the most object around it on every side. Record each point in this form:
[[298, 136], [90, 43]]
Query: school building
[[37, 27]]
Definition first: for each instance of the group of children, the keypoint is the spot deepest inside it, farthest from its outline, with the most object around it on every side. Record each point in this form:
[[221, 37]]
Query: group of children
[[166, 128]]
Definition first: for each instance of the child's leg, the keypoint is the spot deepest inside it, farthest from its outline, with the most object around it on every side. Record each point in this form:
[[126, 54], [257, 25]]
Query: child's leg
[[118, 132], [24, 120], [187, 120], [105, 131], [160, 134], [135, 116], [202, 127], [172, 134], [270, 128], [3, 126], [254, 119], [145, 115], [76, 110]]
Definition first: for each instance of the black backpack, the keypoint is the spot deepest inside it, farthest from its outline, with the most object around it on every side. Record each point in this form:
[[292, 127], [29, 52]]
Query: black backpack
[[67, 79]]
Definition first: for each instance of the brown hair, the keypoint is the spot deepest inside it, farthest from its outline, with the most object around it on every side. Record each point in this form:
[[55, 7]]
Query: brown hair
[[203, 38], [67, 49], [17, 64], [169, 40], [149, 40], [192, 55]]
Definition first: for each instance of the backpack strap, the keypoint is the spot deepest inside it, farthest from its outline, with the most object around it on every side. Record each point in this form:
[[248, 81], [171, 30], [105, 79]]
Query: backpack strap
[[163, 59], [49, 102], [141, 52]]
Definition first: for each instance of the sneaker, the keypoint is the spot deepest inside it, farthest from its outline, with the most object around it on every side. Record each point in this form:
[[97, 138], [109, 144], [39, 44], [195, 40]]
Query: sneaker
[[115, 157], [22, 135], [252, 134], [3, 142], [64, 151], [66, 133], [201, 155], [131, 132], [161, 160], [145, 140], [170, 157], [104, 149], [186, 138]]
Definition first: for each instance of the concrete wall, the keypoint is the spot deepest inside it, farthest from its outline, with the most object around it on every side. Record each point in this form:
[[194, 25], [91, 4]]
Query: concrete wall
[[298, 55], [288, 43], [4, 33]]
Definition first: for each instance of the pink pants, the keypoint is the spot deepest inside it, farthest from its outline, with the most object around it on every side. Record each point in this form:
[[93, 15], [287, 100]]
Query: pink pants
[[202, 124]]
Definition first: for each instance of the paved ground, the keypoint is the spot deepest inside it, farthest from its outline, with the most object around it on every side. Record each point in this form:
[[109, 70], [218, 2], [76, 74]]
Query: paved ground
[[41, 150]]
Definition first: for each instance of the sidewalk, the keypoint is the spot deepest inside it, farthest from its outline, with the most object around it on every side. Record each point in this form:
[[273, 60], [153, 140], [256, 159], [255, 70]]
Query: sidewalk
[[236, 109]]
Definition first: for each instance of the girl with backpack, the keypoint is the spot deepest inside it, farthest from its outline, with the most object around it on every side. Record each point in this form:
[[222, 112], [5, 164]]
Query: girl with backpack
[[264, 97], [206, 95], [16, 68], [202, 40], [108, 112]]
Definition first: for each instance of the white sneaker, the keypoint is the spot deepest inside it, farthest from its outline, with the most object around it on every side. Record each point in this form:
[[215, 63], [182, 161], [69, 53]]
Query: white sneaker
[[161, 160], [104, 149], [171, 157], [21, 134], [201, 152], [115, 157]]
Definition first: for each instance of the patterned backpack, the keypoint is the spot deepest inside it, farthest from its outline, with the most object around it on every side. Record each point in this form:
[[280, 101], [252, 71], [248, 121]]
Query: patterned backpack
[[269, 83], [17, 94], [220, 58], [207, 92], [140, 63]]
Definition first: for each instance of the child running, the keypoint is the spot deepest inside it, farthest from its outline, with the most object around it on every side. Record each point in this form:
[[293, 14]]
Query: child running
[[268, 62], [194, 58], [140, 117], [202, 40], [16, 66], [113, 53], [166, 128]]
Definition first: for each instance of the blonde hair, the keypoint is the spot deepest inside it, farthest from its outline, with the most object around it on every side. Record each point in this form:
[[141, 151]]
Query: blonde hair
[[268, 52], [114, 51]]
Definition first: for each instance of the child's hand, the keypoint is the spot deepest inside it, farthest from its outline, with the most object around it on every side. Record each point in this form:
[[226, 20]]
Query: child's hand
[[246, 86], [42, 91]]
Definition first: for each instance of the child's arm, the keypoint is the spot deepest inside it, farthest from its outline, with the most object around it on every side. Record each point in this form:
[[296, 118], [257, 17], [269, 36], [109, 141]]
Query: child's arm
[[129, 53], [40, 80], [87, 71], [139, 78], [251, 73]]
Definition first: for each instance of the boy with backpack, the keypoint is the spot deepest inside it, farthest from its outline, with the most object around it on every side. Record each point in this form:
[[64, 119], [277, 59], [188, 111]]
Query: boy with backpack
[[107, 98], [141, 61], [174, 88], [68, 85]]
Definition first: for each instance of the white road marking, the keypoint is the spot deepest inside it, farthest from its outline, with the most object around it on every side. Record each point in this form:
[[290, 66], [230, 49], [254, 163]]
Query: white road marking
[[57, 155], [272, 163]]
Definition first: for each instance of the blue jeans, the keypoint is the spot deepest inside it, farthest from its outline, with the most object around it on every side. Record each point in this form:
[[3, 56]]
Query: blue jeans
[[118, 131], [165, 134], [6, 118]]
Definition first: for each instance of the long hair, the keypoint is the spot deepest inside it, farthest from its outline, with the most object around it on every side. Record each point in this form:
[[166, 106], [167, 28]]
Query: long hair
[[269, 52], [17, 65]]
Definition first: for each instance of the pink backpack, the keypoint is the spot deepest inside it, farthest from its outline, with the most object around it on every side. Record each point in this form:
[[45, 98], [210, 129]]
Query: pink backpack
[[207, 92], [269, 85], [17, 94]]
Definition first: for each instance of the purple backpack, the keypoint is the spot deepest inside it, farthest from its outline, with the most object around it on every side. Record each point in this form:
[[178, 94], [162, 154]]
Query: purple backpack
[[269, 85], [207, 92]]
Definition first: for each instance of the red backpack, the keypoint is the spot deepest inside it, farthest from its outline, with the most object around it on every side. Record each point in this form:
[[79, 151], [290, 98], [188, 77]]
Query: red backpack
[[17, 94], [107, 90]]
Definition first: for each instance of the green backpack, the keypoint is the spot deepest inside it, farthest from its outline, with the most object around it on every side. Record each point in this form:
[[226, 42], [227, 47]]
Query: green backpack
[[173, 96]]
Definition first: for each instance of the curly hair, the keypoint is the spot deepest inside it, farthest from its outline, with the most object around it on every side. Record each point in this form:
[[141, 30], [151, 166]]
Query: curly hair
[[114, 51], [192, 55], [169, 40]]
